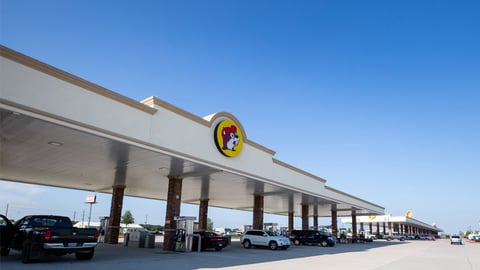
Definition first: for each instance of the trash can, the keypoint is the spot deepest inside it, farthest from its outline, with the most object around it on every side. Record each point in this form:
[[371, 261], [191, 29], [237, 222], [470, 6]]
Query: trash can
[[126, 238], [197, 242], [150, 240], [137, 239]]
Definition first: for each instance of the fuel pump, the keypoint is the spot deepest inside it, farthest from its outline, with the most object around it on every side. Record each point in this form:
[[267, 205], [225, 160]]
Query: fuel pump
[[184, 233], [103, 228], [272, 228]]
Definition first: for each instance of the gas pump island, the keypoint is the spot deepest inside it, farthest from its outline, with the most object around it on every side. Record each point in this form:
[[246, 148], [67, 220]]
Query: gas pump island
[[184, 234]]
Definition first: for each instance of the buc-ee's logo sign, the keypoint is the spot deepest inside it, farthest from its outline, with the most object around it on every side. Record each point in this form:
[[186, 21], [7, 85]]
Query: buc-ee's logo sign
[[228, 138]]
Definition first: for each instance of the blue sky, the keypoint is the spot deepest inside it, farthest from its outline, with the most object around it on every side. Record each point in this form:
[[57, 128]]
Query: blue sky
[[381, 98]]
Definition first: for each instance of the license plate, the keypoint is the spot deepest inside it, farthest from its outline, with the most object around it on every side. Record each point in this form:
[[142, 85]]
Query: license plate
[[72, 244]]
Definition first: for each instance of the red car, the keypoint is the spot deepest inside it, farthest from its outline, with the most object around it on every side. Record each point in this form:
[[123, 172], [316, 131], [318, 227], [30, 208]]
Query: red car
[[209, 240], [431, 238]]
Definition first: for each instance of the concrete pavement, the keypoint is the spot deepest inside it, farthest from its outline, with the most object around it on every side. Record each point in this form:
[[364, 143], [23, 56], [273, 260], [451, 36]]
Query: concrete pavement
[[379, 255]]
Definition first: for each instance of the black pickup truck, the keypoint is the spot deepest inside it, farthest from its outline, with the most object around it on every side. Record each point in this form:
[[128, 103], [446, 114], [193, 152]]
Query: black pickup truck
[[39, 235]]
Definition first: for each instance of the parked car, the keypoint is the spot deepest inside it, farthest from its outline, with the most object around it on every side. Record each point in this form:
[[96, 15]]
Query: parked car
[[260, 238], [210, 240], [431, 238], [309, 237], [455, 240], [366, 237], [39, 235], [370, 237], [422, 237], [394, 236]]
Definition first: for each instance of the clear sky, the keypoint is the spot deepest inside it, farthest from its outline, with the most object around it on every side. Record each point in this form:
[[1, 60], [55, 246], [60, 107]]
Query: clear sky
[[381, 98]]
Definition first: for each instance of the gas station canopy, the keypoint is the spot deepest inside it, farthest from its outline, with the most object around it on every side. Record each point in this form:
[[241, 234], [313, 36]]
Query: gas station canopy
[[59, 130]]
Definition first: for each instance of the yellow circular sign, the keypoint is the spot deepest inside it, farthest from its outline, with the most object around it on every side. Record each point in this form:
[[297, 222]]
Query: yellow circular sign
[[228, 138]]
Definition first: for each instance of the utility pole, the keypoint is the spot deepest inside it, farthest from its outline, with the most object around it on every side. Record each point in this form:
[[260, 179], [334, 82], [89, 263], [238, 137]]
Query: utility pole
[[6, 211]]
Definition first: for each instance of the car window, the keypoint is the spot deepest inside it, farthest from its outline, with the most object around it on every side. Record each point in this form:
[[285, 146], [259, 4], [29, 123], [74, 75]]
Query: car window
[[60, 222], [37, 222], [22, 222], [3, 222]]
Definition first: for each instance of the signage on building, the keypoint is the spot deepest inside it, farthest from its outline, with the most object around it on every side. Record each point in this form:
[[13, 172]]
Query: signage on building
[[228, 138]]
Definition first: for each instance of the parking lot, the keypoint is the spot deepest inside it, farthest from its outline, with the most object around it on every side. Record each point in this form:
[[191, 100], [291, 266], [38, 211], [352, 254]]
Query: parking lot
[[434, 255]]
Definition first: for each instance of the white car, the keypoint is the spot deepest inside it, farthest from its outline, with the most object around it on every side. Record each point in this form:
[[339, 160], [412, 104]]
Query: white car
[[260, 238], [455, 240]]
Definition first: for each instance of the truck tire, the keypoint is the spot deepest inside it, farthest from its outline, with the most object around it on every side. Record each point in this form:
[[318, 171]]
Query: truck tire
[[273, 245], [324, 243], [296, 242], [84, 254]]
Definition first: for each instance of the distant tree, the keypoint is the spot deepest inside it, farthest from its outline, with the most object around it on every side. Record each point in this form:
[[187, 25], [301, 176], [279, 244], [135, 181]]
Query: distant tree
[[209, 224], [127, 218], [153, 228]]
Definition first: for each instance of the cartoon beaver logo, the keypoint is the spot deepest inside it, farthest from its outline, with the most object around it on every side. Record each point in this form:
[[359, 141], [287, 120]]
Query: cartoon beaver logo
[[228, 138]]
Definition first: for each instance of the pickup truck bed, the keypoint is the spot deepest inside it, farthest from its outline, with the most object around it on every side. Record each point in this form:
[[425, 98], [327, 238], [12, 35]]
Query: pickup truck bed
[[40, 235]]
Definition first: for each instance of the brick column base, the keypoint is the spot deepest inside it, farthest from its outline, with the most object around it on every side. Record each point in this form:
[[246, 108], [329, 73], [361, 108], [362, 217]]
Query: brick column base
[[334, 223], [174, 199], [305, 217], [203, 215], [113, 230], [290, 222], [258, 212], [354, 226]]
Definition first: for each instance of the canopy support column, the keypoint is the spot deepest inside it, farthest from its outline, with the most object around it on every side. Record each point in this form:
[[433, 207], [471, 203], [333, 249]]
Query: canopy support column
[[354, 225], [334, 220], [113, 229], [174, 199], [258, 212], [305, 217]]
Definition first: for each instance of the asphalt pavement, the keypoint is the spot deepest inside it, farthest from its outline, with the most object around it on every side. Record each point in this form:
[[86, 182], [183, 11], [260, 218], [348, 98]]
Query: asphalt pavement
[[379, 255]]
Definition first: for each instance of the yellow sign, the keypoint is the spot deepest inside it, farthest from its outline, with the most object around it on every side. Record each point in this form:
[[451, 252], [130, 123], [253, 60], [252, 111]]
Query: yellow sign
[[372, 217], [228, 138]]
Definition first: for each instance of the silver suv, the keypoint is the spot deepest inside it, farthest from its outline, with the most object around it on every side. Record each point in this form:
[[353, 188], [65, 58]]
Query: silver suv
[[260, 238], [455, 240]]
